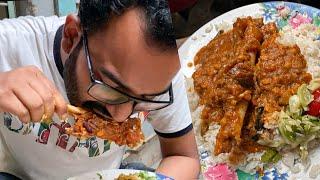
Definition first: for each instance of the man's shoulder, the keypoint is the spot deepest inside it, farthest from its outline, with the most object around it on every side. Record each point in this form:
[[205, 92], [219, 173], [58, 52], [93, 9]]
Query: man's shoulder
[[28, 41], [31, 24]]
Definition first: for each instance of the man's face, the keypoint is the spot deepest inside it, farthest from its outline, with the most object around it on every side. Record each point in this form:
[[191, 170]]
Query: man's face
[[122, 59]]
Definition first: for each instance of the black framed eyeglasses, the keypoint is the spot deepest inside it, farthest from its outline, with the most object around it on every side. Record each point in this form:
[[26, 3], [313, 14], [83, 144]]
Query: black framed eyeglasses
[[107, 94]]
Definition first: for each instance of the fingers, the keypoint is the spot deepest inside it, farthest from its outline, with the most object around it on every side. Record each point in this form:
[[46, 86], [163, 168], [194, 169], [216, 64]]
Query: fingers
[[53, 100], [31, 100], [27, 93], [11, 104], [46, 95], [60, 105], [59, 101]]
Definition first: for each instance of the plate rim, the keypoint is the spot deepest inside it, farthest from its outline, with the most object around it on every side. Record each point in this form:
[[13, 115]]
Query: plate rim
[[94, 174]]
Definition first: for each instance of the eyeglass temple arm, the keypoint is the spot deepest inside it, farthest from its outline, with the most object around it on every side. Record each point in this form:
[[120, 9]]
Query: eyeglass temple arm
[[86, 49]]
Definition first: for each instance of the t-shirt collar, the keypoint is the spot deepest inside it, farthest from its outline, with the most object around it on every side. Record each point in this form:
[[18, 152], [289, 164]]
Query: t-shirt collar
[[56, 50]]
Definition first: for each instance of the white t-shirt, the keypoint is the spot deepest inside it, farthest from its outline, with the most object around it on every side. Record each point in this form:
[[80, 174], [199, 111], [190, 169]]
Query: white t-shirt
[[41, 151]]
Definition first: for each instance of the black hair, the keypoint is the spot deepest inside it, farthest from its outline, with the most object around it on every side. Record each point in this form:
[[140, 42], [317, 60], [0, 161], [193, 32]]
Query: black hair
[[158, 29]]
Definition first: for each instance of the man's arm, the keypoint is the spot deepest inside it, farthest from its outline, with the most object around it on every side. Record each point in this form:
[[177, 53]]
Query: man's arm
[[180, 157]]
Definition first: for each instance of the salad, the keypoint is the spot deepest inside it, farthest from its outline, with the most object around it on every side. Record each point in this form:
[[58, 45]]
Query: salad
[[137, 176], [299, 123]]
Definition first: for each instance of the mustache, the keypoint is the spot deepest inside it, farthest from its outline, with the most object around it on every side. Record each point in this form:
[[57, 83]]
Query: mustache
[[98, 108]]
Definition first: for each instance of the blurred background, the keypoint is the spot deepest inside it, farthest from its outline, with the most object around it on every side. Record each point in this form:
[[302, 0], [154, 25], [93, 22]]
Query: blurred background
[[188, 15], [11, 9]]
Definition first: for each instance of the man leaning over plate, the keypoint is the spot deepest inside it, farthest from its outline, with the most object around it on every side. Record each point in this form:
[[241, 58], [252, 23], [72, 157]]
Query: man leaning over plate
[[45, 64]]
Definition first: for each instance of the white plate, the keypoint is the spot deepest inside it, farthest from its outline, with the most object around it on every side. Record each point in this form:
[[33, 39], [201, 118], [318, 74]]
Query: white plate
[[270, 11]]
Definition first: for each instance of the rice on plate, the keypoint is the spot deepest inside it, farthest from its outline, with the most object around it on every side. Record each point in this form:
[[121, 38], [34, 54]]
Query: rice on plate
[[293, 145]]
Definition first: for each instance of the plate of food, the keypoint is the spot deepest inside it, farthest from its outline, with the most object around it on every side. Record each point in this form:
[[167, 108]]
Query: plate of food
[[253, 84], [121, 174]]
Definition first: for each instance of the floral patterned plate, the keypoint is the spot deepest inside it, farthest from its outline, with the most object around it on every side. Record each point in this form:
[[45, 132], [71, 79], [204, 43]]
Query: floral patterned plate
[[283, 13]]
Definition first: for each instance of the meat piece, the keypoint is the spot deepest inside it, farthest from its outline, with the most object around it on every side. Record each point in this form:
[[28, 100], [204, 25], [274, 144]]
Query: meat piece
[[269, 30], [279, 73], [87, 124], [224, 80], [243, 73]]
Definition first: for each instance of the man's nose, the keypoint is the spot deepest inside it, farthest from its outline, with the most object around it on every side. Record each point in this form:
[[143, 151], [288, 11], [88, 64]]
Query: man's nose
[[120, 112]]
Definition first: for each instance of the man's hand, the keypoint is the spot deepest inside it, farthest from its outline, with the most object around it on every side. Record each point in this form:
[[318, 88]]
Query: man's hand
[[180, 157], [28, 94]]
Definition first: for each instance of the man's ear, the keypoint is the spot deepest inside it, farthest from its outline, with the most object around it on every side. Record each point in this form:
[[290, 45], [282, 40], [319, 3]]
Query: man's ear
[[71, 33]]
